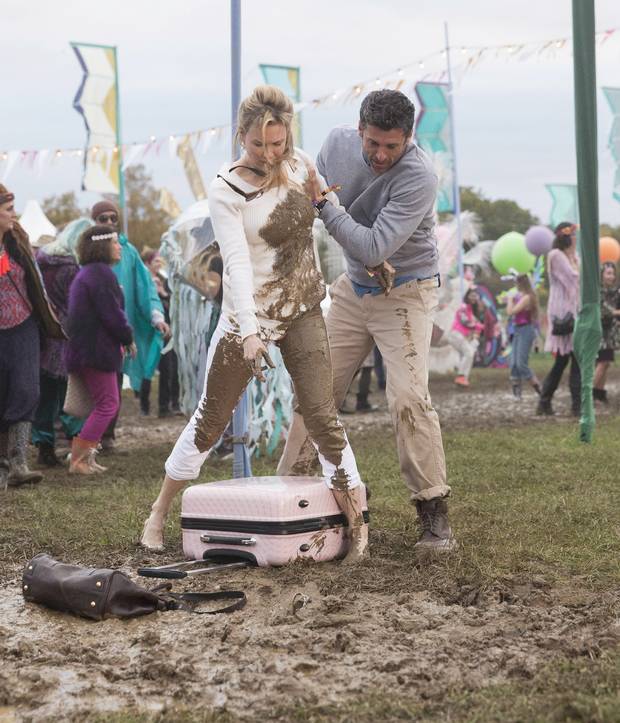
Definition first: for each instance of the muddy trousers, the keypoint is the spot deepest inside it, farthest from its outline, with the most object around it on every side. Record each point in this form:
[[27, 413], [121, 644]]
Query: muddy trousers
[[401, 326], [305, 352]]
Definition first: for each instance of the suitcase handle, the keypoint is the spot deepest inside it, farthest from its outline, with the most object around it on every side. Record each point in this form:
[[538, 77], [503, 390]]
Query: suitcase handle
[[168, 574], [158, 572], [227, 540]]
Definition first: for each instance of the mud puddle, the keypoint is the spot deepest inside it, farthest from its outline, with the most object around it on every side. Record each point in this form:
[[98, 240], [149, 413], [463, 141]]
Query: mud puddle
[[292, 643]]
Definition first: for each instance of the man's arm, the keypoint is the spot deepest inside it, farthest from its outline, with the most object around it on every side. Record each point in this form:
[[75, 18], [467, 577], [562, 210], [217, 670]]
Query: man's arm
[[396, 222]]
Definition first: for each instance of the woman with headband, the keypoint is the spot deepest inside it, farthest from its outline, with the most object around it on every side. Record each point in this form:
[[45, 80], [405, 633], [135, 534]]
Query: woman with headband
[[25, 318], [98, 331]]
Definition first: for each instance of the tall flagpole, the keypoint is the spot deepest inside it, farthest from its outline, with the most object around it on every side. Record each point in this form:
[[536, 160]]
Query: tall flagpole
[[122, 202], [235, 68], [241, 461], [455, 175]]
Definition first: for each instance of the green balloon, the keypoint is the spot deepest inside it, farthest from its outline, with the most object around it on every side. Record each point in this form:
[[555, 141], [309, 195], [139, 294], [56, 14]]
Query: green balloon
[[510, 252]]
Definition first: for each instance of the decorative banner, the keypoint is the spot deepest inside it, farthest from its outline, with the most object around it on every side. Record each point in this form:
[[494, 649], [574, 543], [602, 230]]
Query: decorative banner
[[97, 102], [565, 203], [433, 135], [613, 98], [287, 78], [186, 153], [169, 203], [428, 68]]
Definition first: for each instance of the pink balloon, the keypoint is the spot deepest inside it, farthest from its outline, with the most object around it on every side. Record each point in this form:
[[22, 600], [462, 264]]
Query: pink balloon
[[538, 240]]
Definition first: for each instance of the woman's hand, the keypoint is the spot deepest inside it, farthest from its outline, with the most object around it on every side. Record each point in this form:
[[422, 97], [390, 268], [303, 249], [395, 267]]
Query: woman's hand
[[132, 350], [312, 185], [254, 351]]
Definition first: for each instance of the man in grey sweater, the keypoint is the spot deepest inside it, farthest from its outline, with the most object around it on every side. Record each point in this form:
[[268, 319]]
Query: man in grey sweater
[[385, 227]]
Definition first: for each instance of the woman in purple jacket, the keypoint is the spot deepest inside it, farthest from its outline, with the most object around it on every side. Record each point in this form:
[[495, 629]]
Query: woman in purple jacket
[[98, 330]]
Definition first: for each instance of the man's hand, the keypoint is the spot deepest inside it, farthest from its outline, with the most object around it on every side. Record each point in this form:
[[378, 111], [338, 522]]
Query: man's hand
[[132, 350], [385, 274], [254, 351]]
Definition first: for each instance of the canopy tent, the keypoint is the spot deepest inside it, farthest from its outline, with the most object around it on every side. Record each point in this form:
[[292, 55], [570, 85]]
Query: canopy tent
[[37, 225]]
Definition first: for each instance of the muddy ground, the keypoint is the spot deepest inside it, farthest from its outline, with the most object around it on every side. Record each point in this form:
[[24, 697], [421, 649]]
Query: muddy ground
[[294, 642], [310, 635]]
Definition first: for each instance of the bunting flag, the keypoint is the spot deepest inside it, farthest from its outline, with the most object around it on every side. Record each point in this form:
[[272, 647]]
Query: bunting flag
[[433, 135], [287, 78], [613, 98], [97, 102], [565, 203], [186, 153]]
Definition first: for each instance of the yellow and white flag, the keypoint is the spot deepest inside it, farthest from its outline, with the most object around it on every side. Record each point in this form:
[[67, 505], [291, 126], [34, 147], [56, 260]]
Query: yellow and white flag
[[97, 102]]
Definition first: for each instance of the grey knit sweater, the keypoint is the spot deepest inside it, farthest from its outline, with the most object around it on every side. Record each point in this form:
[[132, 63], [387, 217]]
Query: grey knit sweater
[[388, 216]]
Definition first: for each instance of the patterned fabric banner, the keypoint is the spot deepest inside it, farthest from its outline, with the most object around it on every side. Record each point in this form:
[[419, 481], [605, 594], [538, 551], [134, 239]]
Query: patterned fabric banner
[[287, 78], [433, 135], [186, 153], [97, 102], [613, 98], [565, 203]]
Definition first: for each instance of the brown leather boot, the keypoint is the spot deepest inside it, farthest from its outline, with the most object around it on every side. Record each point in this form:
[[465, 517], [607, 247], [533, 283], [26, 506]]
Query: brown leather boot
[[436, 533]]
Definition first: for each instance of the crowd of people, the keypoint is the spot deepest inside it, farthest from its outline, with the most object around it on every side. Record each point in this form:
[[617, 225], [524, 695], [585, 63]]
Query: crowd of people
[[89, 311]]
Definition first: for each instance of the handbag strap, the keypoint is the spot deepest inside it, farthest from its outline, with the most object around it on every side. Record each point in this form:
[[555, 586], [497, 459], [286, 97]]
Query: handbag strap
[[189, 600]]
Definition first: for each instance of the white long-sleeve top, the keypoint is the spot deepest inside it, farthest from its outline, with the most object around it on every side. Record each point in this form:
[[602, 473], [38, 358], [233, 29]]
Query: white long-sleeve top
[[271, 272]]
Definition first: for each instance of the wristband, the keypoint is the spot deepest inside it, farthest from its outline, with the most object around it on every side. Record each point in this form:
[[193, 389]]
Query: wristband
[[319, 205]]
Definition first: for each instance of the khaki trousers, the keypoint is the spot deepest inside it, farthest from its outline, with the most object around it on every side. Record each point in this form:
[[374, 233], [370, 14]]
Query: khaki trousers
[[401, 326]]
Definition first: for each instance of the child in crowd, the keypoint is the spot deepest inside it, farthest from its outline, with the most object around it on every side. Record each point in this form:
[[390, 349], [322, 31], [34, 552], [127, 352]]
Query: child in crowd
[[464, 336], [523, 308]]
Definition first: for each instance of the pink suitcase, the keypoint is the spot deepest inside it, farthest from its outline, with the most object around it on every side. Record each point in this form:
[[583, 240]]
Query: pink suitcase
[[263, 520]]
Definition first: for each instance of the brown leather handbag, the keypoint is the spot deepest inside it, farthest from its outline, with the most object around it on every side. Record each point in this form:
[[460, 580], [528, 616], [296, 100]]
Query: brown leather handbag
[[102, 593]]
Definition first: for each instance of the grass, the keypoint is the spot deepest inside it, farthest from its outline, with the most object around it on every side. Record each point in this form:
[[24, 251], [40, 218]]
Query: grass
[[529, 504], [528, 500]]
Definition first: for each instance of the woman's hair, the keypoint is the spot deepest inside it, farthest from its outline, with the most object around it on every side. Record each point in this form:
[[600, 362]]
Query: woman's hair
[[609, 265], [92, 249], [148, 255], [524, 285], [468, 293], [563, 235], [268, 105]]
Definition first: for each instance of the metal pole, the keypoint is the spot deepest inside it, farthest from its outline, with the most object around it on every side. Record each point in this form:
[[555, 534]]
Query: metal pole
[[241, 462], [455, 175], [235, 68], [119, 152]]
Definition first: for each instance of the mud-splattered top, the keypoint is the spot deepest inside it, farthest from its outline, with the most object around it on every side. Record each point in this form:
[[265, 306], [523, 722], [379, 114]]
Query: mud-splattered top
[[271, 272]]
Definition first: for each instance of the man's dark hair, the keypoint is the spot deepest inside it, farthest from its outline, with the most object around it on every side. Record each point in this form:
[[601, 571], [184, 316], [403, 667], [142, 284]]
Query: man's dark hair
[[387, 109], [91, 251]]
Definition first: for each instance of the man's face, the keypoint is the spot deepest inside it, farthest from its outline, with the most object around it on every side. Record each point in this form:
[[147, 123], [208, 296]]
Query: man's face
[[383, 148], [108, 218]]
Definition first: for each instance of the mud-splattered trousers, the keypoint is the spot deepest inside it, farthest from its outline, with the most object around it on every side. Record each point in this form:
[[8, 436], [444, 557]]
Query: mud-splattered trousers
[[305, 352], [401, 326]]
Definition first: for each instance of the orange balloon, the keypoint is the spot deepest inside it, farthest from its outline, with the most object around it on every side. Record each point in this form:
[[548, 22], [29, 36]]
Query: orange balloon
[[609, 250]]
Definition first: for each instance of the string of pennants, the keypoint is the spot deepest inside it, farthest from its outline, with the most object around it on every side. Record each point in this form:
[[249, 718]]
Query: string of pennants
[[430, 68]]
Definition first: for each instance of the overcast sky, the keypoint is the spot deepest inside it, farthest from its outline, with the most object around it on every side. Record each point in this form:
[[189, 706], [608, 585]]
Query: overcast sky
[[514, 120]]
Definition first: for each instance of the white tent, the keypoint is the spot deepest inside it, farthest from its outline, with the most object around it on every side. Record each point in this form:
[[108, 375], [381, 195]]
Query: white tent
[[37, 225]]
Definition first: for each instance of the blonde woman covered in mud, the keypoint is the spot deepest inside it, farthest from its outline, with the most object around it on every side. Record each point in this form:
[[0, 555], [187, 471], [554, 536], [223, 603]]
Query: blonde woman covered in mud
[[262, 219]]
